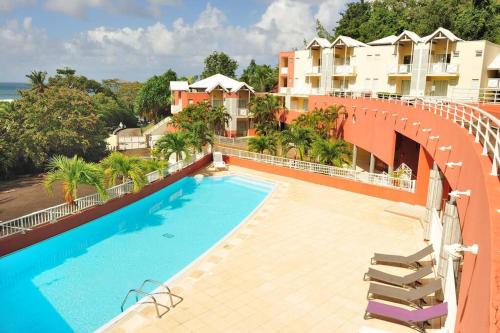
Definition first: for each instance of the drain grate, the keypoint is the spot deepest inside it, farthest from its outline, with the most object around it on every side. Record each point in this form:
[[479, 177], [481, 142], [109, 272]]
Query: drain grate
[[167, 235]]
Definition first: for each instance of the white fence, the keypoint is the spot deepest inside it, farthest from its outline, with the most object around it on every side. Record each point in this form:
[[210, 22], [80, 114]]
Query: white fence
[[50, 215], [364, 177], [132, 142], [237, 142]]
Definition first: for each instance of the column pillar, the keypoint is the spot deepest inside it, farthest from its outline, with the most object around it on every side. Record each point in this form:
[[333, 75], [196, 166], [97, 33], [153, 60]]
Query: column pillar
[[434, 195], [451, 234], [390, 168], [372, 163], [354, 156]]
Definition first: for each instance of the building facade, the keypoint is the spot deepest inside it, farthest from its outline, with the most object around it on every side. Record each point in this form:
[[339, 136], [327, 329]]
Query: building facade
[[438, 65], [218, 90]]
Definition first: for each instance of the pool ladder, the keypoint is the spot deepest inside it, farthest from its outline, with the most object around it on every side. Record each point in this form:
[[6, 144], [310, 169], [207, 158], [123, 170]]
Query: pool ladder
[[154, 296]]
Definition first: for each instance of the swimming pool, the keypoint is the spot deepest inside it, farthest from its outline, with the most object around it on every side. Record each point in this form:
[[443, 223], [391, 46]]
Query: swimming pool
[[76, 281]]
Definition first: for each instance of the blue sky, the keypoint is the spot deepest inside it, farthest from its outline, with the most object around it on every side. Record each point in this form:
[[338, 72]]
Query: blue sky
[[133, 39]]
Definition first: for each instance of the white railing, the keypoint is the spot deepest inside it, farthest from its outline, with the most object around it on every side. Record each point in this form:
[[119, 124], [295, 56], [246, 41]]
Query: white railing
[[343, 69], [238, 142], [284, 70], [314, 70], [400, 69], [483, 127], [441, 67], [478, 95], [176, 108], [347, 173], [27, 222], [161, 123]]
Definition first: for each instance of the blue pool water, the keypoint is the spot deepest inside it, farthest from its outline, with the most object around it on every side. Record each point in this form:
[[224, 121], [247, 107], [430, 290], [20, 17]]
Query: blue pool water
[[76, 281]]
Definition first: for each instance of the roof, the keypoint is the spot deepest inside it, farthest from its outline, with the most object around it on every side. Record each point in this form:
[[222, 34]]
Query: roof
[[179, 85], [442, 32], [389, 40], [495, 64], [323, 42], [350, 42], [407, 34], [219, 80]]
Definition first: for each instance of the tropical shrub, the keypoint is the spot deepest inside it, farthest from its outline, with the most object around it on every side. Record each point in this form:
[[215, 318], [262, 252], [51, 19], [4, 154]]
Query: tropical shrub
[[263, 144], [119, 167], [172, 143], [73, 172], [334, 153]]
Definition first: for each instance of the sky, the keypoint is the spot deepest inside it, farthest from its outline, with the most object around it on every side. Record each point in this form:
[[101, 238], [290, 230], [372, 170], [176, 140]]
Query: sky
[[133, 40]]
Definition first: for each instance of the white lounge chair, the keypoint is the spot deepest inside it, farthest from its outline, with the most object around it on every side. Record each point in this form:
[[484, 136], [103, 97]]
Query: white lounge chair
[[219, 161]]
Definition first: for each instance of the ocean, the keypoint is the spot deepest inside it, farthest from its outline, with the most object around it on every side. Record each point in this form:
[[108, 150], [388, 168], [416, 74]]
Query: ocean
[[8, 90]]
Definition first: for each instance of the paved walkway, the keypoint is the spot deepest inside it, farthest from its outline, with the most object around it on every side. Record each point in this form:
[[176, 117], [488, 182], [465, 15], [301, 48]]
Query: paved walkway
[[296, 265]]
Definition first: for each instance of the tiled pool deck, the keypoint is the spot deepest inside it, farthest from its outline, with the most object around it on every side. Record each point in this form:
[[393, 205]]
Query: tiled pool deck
[[296, 265]]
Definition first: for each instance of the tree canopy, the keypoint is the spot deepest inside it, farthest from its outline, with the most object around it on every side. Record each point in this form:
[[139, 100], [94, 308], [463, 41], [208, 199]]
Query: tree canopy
[[219, 62], [154, 96], [370, 20], [261, 77]]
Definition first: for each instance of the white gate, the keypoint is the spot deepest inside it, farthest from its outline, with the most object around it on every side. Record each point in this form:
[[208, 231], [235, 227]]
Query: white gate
[[131, 142]]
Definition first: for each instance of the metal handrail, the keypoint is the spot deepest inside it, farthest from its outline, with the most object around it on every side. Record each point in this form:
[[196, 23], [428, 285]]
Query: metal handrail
[[168, 291], [145, 294]]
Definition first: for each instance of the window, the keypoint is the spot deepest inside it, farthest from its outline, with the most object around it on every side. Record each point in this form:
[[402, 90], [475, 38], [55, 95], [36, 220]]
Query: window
[[190, 101], [479, 53], [407, 60], [456, 54]]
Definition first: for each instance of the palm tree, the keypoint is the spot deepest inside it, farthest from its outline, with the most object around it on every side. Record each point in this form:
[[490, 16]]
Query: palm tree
[[73, 172], [199, 135], [119, 166], [300, 138], [154, 164], [172, 143], [37, 80], [260, 144], [265, 110], [219, 119], [331, 153]]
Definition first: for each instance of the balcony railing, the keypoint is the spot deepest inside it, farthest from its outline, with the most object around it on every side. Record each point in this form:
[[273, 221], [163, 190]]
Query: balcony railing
[[314, 70], [343, 69], [217, 102], [443, 68], [401, 69], [27, 222], [176, 108], [383, 180], [243, 104], [284, 70]]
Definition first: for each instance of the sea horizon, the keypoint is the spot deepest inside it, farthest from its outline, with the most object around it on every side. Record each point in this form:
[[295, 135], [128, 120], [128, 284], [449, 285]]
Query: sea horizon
[[9, 90]]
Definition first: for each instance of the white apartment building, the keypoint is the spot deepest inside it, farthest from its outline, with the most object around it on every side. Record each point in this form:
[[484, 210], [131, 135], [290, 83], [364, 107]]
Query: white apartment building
[[440, 64]]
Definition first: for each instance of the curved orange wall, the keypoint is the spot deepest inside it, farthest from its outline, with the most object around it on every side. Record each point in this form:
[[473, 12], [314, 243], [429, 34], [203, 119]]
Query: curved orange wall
[[479, 296]]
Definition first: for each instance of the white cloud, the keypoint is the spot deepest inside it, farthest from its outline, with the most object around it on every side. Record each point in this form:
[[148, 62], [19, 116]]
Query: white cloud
[[329, 12], [137, 53], [78, 8], [8, 5]]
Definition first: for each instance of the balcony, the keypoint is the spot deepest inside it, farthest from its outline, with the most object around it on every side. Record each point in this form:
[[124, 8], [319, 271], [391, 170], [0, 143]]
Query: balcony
[[284, 70], [242, 108], [400, 69], [441, 68], [344, 70], [217, 102], [175, 108], [314, 71]]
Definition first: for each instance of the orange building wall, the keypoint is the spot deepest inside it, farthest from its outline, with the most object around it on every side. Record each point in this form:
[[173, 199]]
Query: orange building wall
[[291, 64]]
